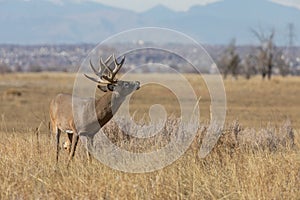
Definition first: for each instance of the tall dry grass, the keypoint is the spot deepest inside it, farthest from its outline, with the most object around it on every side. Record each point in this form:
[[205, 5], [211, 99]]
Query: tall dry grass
[[255, 158], [241, 166]]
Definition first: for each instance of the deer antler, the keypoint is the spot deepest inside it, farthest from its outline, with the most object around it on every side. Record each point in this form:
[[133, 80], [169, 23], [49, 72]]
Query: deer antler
[[112, 73], [106, 78]]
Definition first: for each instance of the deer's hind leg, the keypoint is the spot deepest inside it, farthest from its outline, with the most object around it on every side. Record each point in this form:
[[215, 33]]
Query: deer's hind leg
[[55, 130], [73, 146], [57, 133]]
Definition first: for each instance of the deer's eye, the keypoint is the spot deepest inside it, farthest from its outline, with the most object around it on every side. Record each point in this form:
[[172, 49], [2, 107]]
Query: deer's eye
[[126, 85]]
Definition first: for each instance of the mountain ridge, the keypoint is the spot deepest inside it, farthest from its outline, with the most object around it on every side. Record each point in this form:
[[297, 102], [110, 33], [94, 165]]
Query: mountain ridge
[[35, 22]]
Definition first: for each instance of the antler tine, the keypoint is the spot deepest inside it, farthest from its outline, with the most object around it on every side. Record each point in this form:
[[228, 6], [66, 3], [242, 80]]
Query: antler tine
[[117, 66], [96, 80], [108, 59], [93, 68], [107, 77], [102, 69], [99, 73], [110, 77], [91, 78], [104, 65]]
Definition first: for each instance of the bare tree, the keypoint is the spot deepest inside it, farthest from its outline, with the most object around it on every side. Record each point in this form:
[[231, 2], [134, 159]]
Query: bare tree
[[229, 61], [266, 52], [249, 66], [282, 63]]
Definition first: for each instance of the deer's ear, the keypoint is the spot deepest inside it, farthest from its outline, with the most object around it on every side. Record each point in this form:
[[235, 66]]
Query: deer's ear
[[102, 88], [111, 87]]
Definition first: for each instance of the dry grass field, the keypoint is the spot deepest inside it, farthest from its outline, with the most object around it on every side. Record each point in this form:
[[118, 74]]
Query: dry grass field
[[257, 156]]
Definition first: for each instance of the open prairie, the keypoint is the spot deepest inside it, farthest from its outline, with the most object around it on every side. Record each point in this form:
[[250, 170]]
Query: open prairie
[[256, 157]]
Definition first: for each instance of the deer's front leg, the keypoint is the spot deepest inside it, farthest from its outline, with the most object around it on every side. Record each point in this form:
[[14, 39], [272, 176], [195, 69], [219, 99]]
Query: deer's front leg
[[87, 140], [89, 146]]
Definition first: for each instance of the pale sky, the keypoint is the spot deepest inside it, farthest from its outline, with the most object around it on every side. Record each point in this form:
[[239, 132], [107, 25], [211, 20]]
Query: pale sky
[[142, 5], [177, 5]]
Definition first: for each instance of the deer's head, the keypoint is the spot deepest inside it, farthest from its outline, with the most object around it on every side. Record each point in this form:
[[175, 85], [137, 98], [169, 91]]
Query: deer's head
[[106, 77]]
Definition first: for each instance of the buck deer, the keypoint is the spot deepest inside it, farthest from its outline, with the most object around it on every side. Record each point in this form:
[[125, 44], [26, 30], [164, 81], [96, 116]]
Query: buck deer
[[61, 112]]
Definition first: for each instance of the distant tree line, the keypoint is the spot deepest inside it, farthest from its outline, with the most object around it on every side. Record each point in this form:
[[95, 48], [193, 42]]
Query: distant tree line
[[264, 59]]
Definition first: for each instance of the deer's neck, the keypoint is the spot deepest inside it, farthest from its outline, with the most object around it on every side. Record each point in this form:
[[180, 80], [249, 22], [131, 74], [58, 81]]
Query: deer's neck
[[106, 106]]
